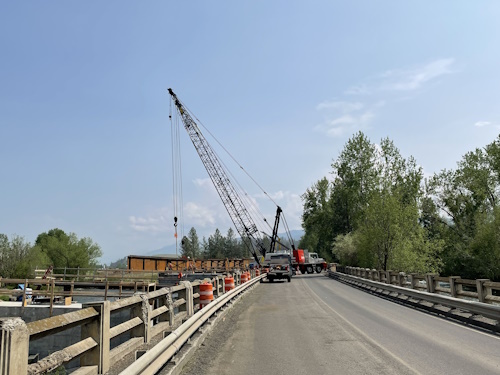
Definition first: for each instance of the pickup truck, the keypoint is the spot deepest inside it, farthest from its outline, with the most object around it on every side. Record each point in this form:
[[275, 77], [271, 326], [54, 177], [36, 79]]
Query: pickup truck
[[279, 265]]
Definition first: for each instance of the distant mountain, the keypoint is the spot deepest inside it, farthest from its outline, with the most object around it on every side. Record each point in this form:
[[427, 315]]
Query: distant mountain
[[169, 249], [120, 263], [295, 233]]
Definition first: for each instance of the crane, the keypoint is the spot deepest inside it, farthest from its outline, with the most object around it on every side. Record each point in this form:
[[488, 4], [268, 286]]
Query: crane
[[230, 198]]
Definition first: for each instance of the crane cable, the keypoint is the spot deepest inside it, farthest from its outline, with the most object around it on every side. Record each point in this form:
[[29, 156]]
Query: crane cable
[[177, 177], [287, 231], [254, 208]]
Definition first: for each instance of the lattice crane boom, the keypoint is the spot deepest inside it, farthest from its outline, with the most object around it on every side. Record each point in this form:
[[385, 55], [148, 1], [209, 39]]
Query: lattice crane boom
[[230, 198]]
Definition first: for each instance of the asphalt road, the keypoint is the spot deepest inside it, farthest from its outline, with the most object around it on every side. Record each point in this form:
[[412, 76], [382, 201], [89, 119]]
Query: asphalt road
[[315, 325]]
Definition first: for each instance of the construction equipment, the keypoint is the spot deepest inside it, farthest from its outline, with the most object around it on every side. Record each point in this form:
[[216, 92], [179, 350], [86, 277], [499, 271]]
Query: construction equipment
[[232, 201]]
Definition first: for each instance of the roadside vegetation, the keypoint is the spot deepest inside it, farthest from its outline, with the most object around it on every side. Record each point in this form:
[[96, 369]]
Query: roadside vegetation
[[18, 258], [376, 210]]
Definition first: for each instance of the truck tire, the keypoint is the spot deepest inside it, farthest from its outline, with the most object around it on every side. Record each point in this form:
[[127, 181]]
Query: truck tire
[[310, 269], [319, 269]]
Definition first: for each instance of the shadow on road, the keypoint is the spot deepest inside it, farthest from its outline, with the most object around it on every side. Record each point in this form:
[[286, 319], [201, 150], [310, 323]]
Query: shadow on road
[[311, 275]]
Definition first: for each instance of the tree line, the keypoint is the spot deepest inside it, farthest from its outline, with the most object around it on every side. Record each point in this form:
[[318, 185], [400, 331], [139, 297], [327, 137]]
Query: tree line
[[377, 211], [216, 246], [18, 258]]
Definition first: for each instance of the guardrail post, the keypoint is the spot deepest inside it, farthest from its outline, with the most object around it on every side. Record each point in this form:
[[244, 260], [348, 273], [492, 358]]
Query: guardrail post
[[98, 329], [454, 286], [187, 294], [480, 289], [14, 348]]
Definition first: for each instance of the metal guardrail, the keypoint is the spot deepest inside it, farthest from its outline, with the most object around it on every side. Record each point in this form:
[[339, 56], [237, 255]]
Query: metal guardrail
[[482, 290], [476, 308], [154, 359]]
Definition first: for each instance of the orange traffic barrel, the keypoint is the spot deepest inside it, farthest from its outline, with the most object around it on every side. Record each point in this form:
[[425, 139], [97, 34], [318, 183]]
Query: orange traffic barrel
[[249, 275], [257, 272], [228, 283], [206, 294], [244, 277]]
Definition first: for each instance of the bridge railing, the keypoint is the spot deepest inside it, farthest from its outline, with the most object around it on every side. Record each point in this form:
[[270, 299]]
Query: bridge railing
[[96, 274], [481, 290], [108, 330], [451, 297], [50, 291]]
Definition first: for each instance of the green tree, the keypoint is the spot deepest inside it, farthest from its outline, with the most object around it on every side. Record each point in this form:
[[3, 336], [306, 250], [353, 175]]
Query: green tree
[[317, 219], [18, 258], [232, 248], [190, 245], [216, 244], [67, 250], [345, 249], [355, 177], [468, 200]]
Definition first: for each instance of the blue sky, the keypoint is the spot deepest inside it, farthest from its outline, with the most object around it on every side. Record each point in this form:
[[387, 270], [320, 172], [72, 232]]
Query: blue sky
[[84, 129]]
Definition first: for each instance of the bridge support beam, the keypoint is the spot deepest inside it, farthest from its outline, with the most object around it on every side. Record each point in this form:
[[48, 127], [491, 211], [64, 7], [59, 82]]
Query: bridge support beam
[[14, 346]]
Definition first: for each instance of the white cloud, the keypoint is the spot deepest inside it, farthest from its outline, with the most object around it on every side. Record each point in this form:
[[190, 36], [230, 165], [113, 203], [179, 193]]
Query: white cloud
[[203, 182], [358, 90], [346, 124], [199, 215], [345, 117], [480, 124], [407, 79], [342, 106], [150, 224], [413, 79]]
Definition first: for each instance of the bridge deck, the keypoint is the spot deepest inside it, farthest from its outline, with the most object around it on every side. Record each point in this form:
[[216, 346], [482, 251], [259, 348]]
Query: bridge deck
[[315, 325]]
